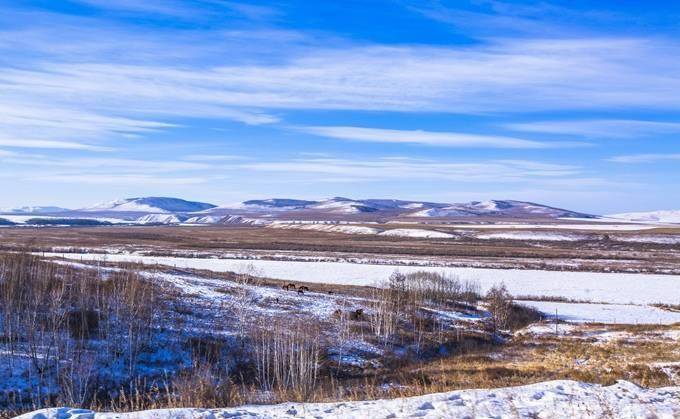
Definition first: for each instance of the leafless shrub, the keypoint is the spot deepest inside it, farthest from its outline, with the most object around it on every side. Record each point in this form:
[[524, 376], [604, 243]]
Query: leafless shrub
[[246, 277], [385, 316], [287, 356], [499, 303]]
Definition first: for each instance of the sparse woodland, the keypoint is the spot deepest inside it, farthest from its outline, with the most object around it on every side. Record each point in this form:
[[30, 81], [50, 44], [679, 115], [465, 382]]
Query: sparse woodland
[[119, 338]]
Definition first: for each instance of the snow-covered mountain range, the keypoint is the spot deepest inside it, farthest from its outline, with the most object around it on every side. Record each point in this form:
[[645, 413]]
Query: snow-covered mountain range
[[166, 210], [393, 207]]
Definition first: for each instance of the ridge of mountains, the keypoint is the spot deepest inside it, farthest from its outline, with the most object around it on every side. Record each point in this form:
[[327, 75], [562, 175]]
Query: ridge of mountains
[[168, 210]]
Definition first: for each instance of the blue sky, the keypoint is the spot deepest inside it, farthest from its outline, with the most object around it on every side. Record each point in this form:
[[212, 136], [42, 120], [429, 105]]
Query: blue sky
[[569, 103]]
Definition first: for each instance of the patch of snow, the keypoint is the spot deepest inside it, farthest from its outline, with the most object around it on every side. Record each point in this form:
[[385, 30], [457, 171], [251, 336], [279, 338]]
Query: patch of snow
[[666, 239], [207, 219], [550, 399], [417, 233], [156, 205], [531, 235], [329, 228], [339, 206], [158, 219], [604, 313], [585, 227]]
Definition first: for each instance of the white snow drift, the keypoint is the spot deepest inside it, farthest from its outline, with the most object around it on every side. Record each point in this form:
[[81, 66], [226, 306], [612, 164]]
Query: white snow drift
[[551, 399]]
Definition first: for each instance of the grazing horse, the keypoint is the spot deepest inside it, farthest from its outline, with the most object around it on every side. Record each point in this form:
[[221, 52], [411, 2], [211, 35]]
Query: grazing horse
[[288, 287], [357, 314], [301, 291]]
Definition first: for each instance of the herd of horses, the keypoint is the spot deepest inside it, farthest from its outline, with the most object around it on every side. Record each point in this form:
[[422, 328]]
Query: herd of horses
[[300, 290], [353, 315]]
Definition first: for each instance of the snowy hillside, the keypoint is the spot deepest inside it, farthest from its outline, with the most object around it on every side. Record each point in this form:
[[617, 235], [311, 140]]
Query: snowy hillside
[[276, 203], [551, 399], [32, 210], [159, 219], [342, 206], [155, 205], [499, 208], [335, 207], [668, 216]]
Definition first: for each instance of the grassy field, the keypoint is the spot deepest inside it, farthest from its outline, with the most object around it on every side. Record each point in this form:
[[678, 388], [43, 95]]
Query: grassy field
[[597, 253]]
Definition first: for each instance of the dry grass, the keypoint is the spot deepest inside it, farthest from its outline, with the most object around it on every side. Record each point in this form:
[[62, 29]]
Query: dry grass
[[533, 359], [594, 256]]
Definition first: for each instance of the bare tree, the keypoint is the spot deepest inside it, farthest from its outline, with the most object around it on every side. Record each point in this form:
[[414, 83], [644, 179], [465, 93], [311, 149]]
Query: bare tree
[[499, 302], [246, 278]]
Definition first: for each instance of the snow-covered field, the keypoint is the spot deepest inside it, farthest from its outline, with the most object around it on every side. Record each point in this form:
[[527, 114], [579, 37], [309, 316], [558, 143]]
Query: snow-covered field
[[584, 227], [605, 313], [585, 286], [417, 233], [551, 399], [328, 228], [531, 235], [657, 239]]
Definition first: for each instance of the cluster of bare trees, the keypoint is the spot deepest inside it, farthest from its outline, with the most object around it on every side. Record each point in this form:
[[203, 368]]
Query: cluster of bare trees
[[404, 297], [499, 304], [287, 355], [52, 315]]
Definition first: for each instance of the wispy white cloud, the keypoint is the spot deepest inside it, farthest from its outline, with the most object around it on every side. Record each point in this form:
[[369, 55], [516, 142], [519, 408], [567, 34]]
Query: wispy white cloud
[[612, 128], [117, 179], [644, 158], [50, 144], [213, 157], [184, 9], [108, 165], [106, 171], [163, 7], [508, 76], [406, 169], [429, 138]]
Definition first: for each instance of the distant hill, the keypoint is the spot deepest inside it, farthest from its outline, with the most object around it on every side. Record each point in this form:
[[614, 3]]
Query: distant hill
[[152, 205], [494, 208], [33, 210], [393, 207], [167, 210]]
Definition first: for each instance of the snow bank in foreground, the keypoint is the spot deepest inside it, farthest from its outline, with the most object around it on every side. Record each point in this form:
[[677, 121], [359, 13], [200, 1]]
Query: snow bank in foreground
[[605, 313], [552, 399]]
